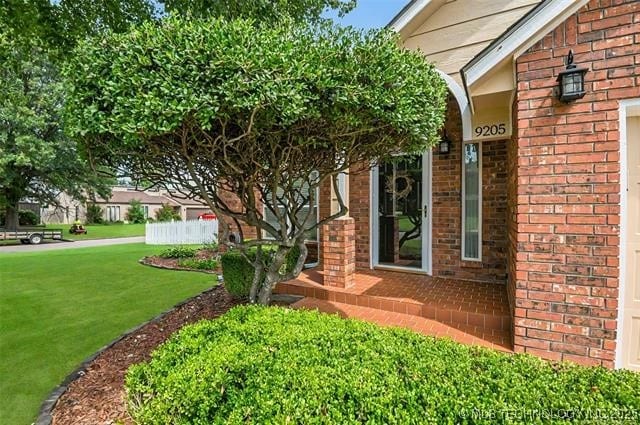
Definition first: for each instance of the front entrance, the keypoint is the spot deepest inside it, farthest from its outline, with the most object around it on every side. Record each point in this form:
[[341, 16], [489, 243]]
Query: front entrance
[[630, 338], [401, 219]]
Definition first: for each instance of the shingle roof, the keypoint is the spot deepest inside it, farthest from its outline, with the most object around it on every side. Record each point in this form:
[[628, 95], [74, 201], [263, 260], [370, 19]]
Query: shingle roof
[[126, 196]]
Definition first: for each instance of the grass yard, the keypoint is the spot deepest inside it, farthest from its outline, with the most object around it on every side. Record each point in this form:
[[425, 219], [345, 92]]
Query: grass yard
[[102, 231], [94, 231], [59, 307]]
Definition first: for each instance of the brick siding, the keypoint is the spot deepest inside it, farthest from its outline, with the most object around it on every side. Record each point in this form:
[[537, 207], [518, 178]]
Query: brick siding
[[566, 205], [447, 220], [447, 208]]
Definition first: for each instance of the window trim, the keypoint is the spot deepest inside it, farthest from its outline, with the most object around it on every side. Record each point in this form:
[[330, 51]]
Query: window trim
[[463, 203]]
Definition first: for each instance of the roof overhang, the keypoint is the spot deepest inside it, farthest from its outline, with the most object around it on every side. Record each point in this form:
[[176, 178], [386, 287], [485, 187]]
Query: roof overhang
[[519, 38], [406, 19]]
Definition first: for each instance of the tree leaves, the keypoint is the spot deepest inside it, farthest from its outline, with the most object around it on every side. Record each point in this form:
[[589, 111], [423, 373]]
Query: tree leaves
[[213, 107]]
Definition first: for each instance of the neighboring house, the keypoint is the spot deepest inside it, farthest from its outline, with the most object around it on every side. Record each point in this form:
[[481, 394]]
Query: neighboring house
[[190, 209], [115, 208], [68, 211], [536, 194]]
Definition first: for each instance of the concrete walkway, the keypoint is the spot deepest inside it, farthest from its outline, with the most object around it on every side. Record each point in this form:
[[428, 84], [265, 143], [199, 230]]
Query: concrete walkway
[[49, 245]]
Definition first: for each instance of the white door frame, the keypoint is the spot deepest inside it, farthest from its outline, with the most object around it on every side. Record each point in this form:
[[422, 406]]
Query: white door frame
[[625, 111], [427, 225]]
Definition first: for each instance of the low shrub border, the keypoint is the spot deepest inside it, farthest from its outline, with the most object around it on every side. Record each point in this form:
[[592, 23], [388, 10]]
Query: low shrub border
[[146, 261], [273, 365], [179, 251]]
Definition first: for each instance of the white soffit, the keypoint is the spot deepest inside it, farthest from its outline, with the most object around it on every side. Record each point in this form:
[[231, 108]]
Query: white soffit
[[540, 22]]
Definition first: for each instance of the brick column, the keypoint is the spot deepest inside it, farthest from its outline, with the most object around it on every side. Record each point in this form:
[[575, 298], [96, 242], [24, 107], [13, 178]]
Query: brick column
[[339, 252]]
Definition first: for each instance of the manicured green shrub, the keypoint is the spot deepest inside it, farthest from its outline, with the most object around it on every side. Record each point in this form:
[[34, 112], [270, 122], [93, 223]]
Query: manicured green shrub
[[271, 365], [167, 213], [28, 218], [94, 214], [25, 218], [199, 263], [135, 213], [178, 252], [238, 272]]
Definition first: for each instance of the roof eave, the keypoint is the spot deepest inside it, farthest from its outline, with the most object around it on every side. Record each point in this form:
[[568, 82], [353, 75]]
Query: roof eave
[[407, 14], [519, 37]]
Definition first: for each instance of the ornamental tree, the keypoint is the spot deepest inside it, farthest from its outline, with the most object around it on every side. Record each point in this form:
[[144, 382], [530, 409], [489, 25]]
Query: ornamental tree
[[266, 113]]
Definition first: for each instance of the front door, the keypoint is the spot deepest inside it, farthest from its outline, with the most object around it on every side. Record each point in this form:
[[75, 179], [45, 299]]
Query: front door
[[630, 349], [401, 213]]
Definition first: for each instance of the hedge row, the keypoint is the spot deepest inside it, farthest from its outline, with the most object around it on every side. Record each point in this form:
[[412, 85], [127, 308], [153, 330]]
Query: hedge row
[[261, 365]]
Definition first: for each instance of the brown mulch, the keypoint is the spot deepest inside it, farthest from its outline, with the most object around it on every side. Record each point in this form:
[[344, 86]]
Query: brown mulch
[[97, 397]]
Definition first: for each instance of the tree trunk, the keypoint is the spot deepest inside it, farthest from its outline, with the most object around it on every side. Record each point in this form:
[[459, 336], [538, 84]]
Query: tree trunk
[[264, 297], [11, 215], [273, 277], [258, 266]]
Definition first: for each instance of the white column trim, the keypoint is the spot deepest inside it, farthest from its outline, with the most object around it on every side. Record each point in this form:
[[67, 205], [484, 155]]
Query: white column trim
[[624, 113], [463, 103]]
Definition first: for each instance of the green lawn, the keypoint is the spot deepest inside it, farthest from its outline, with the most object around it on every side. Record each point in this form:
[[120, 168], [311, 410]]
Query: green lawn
[[59, 307], [102, 231]]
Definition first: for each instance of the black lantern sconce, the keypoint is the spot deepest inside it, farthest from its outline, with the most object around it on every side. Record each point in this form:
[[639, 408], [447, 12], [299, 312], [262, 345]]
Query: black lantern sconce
[[571, 81], [444, 147]]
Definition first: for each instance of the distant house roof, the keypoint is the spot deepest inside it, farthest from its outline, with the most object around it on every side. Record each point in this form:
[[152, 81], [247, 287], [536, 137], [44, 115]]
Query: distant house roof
[[126, 196], [188, 202]]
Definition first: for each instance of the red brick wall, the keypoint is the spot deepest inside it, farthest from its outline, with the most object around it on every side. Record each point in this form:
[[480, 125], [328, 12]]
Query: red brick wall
[[233, 202], [447, 208], [358, 209], [512, 211], [447, 191], [359, 196], [568, 190]]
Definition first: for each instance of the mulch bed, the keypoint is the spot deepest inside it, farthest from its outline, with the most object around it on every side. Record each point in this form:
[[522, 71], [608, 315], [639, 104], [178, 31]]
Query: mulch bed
[[173, 263], [97, 397]]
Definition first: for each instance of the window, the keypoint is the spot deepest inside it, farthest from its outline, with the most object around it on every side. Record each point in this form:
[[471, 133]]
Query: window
[[113, 213], [472, 202], [311, 235], [145, 209]]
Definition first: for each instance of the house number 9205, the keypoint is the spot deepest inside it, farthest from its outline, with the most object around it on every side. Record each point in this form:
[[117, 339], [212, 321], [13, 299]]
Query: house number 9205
[[490, 130]]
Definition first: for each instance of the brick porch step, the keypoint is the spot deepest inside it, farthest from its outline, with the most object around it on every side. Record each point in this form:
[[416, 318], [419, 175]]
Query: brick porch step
[[461, 303], [465, 334]]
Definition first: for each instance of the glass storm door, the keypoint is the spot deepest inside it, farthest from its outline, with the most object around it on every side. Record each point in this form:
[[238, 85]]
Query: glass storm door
[[400, 218]]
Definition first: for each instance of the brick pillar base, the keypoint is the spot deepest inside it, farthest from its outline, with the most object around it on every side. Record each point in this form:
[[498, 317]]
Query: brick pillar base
[[339, 252]]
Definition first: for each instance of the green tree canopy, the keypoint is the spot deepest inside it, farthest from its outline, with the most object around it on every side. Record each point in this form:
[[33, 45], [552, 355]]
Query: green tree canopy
[[37, 161], [58, 25], [262, 10], [268, 113]]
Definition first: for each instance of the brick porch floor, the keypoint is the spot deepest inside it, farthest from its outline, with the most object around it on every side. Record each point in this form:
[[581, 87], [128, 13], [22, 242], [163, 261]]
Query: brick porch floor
[[468, 312]]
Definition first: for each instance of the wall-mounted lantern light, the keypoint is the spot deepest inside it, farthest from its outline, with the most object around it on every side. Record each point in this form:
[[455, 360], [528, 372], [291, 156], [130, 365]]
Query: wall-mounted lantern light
[[445, 144], [571, 81]]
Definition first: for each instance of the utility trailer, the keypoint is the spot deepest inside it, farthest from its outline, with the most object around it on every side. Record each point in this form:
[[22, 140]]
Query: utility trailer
[[32, 235]]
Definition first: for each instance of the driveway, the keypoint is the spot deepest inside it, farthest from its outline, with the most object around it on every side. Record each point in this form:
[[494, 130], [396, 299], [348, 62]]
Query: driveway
[[53, 245]]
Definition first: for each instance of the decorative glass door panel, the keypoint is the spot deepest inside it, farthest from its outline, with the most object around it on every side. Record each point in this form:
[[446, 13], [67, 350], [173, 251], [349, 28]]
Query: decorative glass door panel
[[401, 212]]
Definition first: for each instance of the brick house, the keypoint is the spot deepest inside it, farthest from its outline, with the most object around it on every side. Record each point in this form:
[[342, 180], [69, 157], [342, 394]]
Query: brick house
[[536, 203]]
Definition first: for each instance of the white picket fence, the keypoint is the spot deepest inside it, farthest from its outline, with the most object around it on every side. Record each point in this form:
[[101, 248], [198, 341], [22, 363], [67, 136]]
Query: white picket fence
[[182, 232]]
